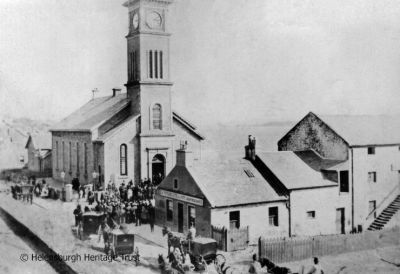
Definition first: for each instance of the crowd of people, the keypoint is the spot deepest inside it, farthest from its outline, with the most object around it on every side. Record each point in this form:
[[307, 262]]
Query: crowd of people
[[126, 204]]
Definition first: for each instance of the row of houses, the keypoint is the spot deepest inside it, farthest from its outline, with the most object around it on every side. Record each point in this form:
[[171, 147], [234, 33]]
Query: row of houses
[[327, 177]]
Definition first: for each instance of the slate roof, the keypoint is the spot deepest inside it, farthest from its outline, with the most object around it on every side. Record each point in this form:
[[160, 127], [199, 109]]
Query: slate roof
[[314, 160], [93, 113], [40, 141], [293, 171], [228, 183], [363, 130], [117, 128]]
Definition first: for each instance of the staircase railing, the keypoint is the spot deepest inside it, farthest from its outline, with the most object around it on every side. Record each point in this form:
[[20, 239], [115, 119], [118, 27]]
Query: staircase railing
[[393, 193]]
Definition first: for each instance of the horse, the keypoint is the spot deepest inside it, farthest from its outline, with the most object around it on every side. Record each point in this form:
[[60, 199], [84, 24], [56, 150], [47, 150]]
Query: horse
[[273, 268], [169, 268], [174, 241]]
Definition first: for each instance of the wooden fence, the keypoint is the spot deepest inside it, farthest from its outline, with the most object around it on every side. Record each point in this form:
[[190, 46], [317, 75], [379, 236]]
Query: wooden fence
[[293, 249], [232, 239]]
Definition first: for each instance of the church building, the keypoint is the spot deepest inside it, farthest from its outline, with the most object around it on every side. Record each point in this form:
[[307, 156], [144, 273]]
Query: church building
[[132, 135]]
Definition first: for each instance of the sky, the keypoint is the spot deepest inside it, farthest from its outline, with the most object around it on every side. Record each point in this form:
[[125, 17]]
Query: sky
[[232, 61]]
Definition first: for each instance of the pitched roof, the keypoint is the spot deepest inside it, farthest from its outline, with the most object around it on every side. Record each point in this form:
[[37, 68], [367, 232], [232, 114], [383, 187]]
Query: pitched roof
[[40, 141], [93, 113], [188, 125], [293, 171], [234, 182], [117, 128], [363, 130]]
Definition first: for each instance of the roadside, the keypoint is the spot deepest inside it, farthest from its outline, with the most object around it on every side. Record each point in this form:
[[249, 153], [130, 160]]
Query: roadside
[[51, 220]]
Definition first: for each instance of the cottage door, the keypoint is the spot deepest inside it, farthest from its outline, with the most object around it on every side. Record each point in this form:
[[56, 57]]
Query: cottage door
[[180, 217], [340, 220]]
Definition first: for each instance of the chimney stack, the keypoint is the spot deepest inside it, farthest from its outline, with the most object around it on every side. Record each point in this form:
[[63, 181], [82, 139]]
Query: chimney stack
[[250, 149], [116, 91], [183, 156]]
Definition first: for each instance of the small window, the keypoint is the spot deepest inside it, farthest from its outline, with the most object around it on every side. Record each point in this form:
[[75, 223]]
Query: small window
[[273, 216], [234, 219], [176, 184], [191, 216], [170, 210], [371, 150], [249, 173], [344, 181], [372, 177], [311, 214]]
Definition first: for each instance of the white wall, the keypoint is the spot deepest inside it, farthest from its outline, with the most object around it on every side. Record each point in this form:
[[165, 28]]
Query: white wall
[[387, 179], [256, 217], [112, 154], [324, 201]]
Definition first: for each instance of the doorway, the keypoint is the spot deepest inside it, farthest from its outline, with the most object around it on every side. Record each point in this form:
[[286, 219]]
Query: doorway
[[372, 207], [158, 168], [180, 217], [340, 220]]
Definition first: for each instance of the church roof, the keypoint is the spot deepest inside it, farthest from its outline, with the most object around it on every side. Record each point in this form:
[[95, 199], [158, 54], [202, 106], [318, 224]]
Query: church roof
[[293, 170], [93, 113], [233, 182]]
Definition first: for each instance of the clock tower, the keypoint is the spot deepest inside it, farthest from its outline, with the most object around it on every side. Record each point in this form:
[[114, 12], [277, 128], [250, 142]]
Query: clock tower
[[148, 84]]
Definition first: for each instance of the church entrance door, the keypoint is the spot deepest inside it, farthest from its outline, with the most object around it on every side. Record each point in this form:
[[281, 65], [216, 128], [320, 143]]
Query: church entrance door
[[158, 168]]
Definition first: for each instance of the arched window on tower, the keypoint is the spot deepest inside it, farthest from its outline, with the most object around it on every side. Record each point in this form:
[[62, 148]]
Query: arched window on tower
[[123, 159], [157, 117]]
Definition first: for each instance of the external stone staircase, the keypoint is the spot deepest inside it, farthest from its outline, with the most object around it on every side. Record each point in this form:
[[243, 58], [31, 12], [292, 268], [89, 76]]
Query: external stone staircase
[[386, 215]]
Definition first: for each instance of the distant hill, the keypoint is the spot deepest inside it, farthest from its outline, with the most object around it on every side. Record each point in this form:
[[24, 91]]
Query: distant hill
[[13, 136]]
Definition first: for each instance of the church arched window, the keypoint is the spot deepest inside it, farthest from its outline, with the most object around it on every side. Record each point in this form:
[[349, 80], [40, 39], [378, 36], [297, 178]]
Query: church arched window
[[123, 159], [157, 116]]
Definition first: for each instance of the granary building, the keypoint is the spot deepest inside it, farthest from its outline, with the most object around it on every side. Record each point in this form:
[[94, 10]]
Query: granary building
[[369, 148], [132, 135], [38, 148]]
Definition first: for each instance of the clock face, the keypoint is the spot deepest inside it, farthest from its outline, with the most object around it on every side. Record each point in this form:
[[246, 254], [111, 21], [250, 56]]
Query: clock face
[[135, 20], [154, 20]]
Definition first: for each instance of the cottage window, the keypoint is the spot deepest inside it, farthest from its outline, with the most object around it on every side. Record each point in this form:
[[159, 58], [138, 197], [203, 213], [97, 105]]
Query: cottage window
[[234, 219], [123, 159], [170, 210], [157, 115], [176, 184], [191, 216], [344, 181], [249, 173], [273, 216], [372, 177], [311, 214], [371, 150]]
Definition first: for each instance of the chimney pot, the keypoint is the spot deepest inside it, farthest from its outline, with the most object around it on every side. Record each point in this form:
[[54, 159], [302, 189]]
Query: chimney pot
[[116, 91]]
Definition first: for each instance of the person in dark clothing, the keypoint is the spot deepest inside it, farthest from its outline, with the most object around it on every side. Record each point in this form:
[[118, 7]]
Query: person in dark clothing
[[139, 215], [78, 215]]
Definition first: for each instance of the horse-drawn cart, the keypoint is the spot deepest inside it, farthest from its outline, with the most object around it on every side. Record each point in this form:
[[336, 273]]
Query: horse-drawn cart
[[121, 243]]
